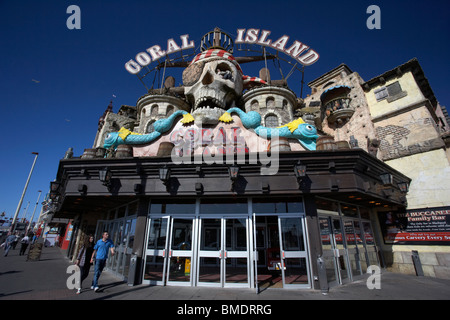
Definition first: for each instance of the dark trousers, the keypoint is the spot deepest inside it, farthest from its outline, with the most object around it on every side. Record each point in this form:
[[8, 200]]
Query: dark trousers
[[23, 248], [84, 270]]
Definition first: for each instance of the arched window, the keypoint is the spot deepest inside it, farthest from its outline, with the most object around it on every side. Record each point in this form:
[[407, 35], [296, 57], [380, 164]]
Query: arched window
[[255, 105], [271, 121], [150, 128], [270, 102]]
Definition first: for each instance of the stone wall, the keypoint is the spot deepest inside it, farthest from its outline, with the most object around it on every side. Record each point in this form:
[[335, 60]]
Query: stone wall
[[434, 264]]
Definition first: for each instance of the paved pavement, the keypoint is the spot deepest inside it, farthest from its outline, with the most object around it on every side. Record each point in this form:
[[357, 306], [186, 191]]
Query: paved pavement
[[46, 280]]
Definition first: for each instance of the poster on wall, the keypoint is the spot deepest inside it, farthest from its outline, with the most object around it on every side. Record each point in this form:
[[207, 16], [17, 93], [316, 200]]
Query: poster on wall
[[430, 226]]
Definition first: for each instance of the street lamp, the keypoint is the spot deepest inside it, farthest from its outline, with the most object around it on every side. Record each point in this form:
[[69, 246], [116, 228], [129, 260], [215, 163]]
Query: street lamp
[[24, 191], [32, 216]]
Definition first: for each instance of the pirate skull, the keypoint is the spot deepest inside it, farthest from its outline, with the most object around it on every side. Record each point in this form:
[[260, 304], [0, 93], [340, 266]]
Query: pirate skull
[[212, 85]]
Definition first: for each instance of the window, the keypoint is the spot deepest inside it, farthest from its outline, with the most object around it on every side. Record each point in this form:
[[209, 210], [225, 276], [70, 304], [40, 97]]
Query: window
[[391, 92], [271, 121], [150, 127]]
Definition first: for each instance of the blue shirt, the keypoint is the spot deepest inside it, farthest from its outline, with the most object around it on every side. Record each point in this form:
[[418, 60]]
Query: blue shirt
[[102, 248]]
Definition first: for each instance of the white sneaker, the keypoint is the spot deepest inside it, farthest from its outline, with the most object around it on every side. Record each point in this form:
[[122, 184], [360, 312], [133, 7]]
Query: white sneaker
[[96, 289], [79, 291], [92, 287]]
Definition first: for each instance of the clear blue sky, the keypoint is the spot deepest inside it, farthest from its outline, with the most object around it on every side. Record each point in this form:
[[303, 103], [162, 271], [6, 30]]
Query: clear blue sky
[[77, 72]]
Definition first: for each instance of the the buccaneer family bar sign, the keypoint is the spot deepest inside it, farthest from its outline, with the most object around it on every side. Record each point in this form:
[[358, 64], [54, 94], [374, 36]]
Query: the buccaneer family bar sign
[[296, 50]]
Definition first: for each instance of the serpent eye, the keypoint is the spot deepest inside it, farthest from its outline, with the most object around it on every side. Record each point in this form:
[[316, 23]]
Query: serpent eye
[[309, 127]]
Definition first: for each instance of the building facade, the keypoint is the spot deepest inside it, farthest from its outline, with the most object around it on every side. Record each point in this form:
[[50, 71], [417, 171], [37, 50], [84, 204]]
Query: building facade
[[235, 183]]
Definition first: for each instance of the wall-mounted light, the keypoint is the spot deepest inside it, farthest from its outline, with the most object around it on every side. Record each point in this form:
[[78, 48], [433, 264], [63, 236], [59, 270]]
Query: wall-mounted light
[[233, 171], [54, 186], [105, 175], [403, 186], [164, 174], [300, 171], [387, 179]]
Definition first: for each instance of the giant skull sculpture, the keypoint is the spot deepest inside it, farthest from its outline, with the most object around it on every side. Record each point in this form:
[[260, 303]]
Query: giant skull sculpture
[[213, 82]]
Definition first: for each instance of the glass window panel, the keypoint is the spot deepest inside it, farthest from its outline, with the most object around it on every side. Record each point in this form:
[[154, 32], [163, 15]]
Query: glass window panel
[[157, 234], [209, 270], [236, 237], [182, 234], [132, 208], [220, 206], [292, 234], [296, 271], [180, 269], [275, 206], [210, 240], [172, 207], [349, 232], [236, 270], [368, 235], [349, 211], [154, 268], [121, 212], [327, 206], [364, 212]]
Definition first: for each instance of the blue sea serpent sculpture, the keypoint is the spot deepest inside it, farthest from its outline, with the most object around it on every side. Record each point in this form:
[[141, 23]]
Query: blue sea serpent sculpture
[[305, 133]]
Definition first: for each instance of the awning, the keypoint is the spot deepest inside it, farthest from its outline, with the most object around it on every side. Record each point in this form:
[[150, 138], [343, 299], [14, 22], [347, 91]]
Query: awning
[[341, 88]]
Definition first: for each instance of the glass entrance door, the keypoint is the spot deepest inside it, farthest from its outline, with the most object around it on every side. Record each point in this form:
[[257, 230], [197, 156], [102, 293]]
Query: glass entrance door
[[333, 248], [293, 252], [210, 253], [180, 252], [223, 252], [156, 262], [339, 250]]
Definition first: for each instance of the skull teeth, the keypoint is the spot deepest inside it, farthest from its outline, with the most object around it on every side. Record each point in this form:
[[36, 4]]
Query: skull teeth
[[209, 103]]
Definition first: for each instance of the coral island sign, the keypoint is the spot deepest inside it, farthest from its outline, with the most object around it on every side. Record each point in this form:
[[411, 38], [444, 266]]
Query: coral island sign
[[296, 50]]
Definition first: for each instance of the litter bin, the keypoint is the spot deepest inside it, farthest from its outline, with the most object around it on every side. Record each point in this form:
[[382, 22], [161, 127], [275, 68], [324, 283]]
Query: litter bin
[[132, 270], [322, 273]]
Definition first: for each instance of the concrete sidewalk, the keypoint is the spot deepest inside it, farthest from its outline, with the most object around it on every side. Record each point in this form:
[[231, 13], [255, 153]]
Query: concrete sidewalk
[[46, 280]]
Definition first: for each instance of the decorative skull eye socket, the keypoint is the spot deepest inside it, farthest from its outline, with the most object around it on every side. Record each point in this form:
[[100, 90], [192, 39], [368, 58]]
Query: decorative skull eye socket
[[224, 71], [192, 73]]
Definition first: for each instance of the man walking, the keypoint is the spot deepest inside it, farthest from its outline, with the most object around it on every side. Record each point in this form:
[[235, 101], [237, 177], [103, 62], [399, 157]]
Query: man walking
[[9, 243], [100, 254]]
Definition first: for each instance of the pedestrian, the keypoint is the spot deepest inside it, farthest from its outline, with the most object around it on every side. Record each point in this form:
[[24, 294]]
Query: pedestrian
[[24, 244], [9, 243], [84, 261], [100, 255], [16, 240]]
